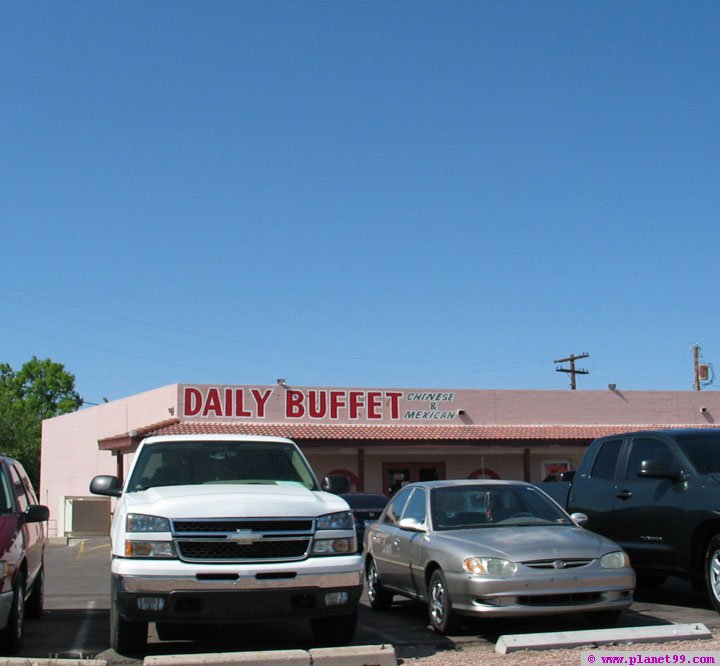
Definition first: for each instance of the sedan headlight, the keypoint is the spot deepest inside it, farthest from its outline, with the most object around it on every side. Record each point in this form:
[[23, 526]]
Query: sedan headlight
[[139, 522], [615, 560], [342, 520], [489, 566]]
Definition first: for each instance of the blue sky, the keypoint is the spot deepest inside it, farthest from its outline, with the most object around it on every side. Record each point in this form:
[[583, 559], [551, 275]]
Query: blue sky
[[402, 194]]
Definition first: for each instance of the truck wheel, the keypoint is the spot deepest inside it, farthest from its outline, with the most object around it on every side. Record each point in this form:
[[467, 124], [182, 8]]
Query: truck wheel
[[712, 571], [380, 598], [126, 638], [11, 638], [334, 631], [439, 604], [36, 600]]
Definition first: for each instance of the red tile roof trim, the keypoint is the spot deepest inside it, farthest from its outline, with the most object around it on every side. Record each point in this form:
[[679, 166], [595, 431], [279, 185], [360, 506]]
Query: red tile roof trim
[[345, 431]]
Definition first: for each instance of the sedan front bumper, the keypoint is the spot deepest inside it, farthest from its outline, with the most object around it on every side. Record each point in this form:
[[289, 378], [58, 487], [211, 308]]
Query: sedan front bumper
[[564, 592]]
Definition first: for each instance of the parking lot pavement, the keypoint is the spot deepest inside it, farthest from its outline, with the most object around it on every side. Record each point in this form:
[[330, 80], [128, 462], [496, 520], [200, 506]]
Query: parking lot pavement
[[76, 622]]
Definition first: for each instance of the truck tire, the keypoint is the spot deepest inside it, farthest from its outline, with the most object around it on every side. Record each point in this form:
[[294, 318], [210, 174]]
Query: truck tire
[[380, 598], [126, 638], [12, 637], [712, 571], [36, 600], [334, 631]]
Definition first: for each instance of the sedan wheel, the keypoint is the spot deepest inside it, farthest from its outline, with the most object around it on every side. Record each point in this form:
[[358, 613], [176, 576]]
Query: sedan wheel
[[439, 604], [380, 598]]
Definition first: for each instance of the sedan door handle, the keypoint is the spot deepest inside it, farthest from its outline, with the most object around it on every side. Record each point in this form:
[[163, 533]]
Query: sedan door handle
[[624, 495]]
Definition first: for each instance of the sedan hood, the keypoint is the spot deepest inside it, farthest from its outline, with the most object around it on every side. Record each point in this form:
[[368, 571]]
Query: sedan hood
[[233, 500], [529, 543]]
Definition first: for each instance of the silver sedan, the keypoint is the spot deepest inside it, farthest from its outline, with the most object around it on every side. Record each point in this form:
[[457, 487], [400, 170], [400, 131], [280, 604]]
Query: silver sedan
[[492, 549]]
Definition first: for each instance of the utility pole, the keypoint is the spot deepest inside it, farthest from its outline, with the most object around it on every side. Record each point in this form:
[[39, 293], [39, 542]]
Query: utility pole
[[696, 365], [572, 370]]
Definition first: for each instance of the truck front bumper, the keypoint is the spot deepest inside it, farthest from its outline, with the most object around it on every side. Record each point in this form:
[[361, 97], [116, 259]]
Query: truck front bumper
[[219, 598]]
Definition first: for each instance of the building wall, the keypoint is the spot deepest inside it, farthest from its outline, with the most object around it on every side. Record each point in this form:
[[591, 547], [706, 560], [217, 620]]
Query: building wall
[[70, 455]]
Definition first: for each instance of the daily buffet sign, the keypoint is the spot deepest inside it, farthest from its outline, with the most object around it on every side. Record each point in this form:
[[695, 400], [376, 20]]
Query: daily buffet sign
[[289, 404]]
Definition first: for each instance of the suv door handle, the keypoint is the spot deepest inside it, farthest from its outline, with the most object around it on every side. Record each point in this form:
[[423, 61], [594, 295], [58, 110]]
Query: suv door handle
[[624, 495]]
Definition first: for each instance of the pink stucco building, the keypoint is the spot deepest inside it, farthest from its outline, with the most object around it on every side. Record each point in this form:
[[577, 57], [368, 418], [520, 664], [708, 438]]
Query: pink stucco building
[[379, 437]]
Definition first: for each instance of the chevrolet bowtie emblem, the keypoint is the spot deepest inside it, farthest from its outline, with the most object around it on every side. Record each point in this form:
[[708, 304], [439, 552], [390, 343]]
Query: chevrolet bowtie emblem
[[243, 536]]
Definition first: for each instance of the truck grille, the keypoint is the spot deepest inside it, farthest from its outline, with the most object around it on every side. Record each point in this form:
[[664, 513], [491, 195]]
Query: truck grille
[[243, 539]]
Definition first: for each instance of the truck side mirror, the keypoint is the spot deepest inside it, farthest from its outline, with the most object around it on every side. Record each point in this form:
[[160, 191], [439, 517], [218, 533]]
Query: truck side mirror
[[654, 468], [337, 484], [106, 485]]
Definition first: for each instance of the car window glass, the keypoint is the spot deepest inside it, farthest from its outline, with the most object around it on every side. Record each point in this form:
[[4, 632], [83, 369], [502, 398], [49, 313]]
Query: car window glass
[[26, 483], [396, 506], [6, 503], [19, 490], [415, 508], [646, 448], [606, 460]]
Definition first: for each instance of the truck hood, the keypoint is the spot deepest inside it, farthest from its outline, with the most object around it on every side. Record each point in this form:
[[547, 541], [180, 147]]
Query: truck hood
[[523, 544], [233, 500]]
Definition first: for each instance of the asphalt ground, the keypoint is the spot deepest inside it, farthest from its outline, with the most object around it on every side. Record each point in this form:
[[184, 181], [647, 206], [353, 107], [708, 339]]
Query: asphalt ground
[[76, 619]]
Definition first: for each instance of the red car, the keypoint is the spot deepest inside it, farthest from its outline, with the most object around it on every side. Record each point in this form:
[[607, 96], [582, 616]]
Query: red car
[[22, 546]]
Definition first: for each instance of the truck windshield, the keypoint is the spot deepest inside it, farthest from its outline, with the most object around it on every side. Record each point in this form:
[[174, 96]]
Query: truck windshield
[[198, 462], [703, 451]]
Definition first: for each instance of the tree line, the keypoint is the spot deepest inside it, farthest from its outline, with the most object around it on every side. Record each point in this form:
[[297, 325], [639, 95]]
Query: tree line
[[39, 390]]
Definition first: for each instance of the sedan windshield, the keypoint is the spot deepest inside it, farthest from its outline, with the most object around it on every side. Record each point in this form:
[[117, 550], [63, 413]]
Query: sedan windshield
[[197, 462], [467, 506]]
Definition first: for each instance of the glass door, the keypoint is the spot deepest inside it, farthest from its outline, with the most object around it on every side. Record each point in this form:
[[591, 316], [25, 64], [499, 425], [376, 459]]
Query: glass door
[[398, 475]]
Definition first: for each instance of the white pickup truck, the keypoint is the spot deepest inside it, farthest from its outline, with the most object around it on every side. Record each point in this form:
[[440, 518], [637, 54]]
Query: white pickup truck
[[219, 529]]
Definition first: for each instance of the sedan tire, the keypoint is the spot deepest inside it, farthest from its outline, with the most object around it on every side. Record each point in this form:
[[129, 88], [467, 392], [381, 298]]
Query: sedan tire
[[440, 611], [380, 598]]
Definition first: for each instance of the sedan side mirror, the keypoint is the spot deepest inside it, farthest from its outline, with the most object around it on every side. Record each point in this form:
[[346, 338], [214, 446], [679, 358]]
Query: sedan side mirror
[[411, 525], [106, 485], [580, 518]]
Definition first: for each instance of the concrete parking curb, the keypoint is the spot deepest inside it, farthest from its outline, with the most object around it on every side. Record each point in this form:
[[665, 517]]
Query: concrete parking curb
[[570, 639], [32, 661], [357, 655]]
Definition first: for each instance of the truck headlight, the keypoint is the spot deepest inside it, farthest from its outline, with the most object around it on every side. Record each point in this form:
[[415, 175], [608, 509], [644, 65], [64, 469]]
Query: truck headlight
[[139, 522], [615, 560], [489, 566], [342, 520], [340, 546], [149, 549]]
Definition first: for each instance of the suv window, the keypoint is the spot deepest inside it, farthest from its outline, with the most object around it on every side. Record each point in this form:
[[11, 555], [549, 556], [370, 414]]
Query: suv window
[[6, 502], [19, 489], [606, 460]]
